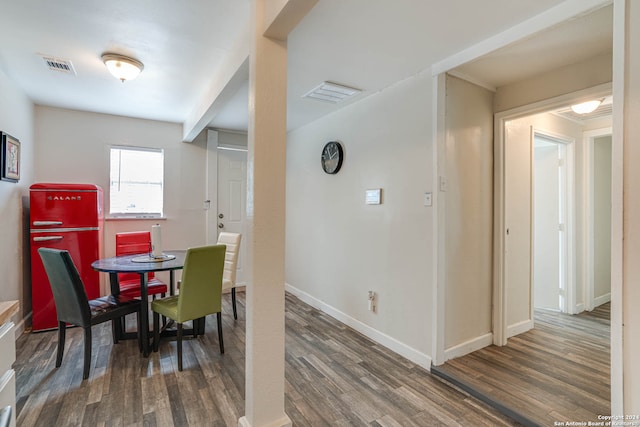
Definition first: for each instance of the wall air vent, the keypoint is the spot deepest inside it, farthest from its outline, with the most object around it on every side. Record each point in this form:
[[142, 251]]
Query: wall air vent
[[331, 92], [57, 64]]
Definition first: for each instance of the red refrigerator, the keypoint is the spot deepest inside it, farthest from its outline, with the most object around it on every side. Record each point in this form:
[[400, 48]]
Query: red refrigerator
[[64, 216]]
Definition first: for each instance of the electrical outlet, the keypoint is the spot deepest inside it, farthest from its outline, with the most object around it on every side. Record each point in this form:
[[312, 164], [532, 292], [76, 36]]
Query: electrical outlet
[[372, 301]]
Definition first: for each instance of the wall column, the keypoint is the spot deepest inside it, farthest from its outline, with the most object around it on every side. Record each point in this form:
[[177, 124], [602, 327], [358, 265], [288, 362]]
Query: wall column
[[626, 204], [266, 169]]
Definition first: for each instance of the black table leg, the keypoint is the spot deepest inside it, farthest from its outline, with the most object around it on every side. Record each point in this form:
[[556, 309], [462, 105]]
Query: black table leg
[[114, 285], [144, 313], [200, 326]]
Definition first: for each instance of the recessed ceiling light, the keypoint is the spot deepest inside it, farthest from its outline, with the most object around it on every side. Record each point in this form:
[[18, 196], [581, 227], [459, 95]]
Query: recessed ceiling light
[[331, 92]]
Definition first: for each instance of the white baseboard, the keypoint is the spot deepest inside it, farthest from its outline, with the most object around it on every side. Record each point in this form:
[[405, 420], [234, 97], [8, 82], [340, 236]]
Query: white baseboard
[[21, 326], [468, 346], [283, 422], [519, 328], [602, 299], [381, 338], [579, 308]]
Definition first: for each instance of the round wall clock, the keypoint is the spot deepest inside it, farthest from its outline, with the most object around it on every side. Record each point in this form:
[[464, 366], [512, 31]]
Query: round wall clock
[[331, 158]]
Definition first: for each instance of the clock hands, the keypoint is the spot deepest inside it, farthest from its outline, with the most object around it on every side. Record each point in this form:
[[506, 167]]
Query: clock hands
[[331, 153]]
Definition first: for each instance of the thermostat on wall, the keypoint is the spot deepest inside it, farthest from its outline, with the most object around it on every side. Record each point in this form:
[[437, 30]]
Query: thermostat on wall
[[372, 196]]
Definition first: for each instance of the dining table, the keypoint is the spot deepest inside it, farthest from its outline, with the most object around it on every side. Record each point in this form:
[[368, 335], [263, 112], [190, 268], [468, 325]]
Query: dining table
[[143, 264]]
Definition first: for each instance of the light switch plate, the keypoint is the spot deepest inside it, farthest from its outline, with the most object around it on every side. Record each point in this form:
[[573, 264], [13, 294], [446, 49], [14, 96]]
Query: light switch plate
[[372, 197], [428, 199], [443, 183]]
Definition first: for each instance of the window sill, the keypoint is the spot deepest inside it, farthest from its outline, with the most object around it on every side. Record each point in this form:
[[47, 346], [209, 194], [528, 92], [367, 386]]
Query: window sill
[[136, 218]]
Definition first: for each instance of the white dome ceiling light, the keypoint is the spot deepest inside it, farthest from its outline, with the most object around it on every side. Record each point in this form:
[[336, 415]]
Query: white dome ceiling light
[[586, 107], [122, 67]]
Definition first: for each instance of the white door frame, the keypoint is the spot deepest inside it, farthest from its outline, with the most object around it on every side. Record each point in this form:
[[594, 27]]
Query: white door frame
[[589, 231], [211, 197], [499, 271], [569, 218]]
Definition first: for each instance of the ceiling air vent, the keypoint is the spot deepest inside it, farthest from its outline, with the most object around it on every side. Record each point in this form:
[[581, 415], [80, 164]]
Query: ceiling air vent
[[57, 64], [331, 92]]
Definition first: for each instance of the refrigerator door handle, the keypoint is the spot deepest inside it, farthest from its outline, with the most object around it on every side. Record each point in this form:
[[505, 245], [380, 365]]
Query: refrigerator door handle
[[41, 223], [46, 239]]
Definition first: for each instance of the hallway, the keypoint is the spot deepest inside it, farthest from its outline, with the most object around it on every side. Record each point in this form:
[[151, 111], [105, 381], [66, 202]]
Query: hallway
[[557, 372]]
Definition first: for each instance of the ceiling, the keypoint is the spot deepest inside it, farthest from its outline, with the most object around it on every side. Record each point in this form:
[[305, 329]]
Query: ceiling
[[365, 44], [571, 42]]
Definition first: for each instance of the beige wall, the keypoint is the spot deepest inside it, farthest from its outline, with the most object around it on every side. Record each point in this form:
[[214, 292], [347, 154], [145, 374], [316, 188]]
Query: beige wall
[[572, 78], [88, 136], [602, 218], [16, 119], [226, 138], [469, 211], [338, 248]]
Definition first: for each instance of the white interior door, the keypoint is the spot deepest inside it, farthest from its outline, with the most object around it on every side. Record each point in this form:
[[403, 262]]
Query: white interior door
[[232, 196], [548, 225]]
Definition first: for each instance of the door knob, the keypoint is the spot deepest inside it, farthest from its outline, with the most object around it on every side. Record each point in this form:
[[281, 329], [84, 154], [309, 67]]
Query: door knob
[[220, 216], [221, 225]]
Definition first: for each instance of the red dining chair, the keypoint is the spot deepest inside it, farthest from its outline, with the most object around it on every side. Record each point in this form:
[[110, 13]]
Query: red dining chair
[[132, 243]]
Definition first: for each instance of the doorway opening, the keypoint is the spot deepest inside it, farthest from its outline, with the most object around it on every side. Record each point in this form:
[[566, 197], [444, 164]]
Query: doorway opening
[[561, 187], [552, 221], [566, 192], [543, 166], [597, 288], [518, 95], [225, 201]]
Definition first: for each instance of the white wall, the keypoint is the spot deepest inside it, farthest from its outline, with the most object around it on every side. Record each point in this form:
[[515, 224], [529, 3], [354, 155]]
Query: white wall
[[16, 119], [337, 247], [469, 214], [73, 146]]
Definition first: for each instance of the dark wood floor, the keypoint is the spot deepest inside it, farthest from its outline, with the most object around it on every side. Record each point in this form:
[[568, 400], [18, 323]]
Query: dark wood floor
[[334, 377], [557, 372]]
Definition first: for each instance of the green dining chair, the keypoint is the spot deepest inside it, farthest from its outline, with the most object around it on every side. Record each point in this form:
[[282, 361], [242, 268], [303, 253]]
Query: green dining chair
[[200, 294]]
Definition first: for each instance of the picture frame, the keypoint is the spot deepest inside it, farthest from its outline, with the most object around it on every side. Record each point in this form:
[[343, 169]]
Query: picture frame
[[10, 156]]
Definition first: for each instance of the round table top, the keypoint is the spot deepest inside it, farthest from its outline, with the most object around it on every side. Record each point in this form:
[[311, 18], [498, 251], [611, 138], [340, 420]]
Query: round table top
[[125, 263]]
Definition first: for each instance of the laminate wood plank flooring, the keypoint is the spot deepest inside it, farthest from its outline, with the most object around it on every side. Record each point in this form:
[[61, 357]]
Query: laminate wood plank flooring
[[557, 372], [333, 377]]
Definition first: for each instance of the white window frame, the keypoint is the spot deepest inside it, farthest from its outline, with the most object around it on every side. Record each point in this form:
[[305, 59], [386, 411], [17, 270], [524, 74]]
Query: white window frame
[[112, 213]]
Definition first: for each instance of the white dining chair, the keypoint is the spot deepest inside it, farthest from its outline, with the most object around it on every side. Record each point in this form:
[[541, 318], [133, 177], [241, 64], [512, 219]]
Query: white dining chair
[[232, 241]]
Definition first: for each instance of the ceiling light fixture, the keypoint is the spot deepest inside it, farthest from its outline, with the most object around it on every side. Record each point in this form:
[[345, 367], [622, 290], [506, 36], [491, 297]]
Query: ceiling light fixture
[[586, 107], [122, 67]]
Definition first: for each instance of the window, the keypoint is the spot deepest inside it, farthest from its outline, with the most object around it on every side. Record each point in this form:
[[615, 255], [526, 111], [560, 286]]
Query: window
[[136, 181]]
